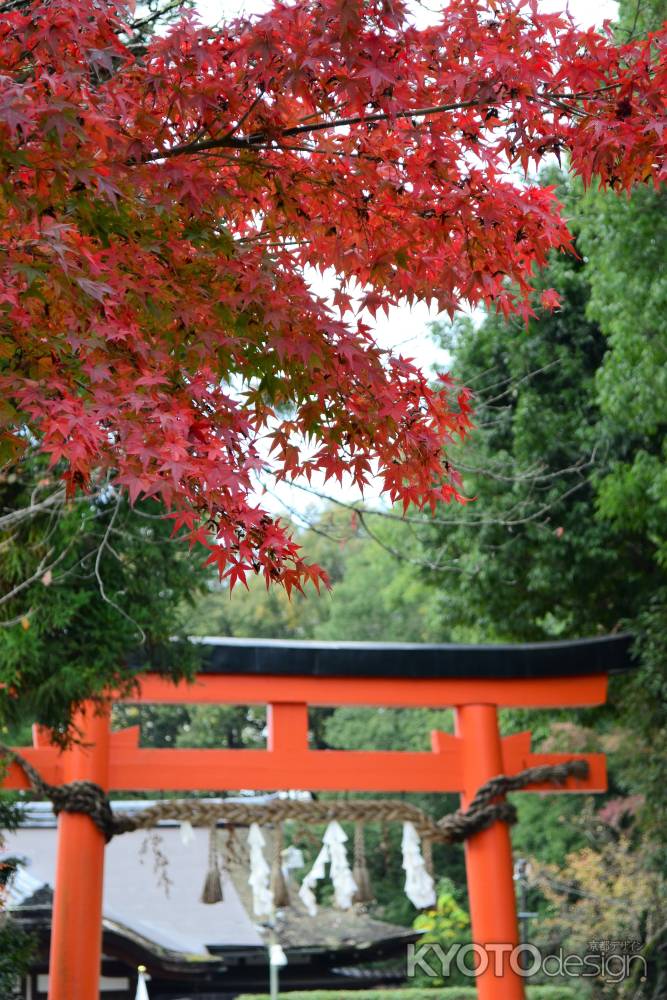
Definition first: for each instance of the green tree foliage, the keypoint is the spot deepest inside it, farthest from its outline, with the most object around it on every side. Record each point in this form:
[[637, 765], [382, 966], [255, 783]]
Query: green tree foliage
[[568, 535], [573, 532], [626, 249], [382, 596], [96, 589], [385, 728], [637, 17], [526, 571], [16, 946]]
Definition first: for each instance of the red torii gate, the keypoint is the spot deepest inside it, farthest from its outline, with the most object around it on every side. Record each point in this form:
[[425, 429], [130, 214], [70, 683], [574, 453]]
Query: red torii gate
[[289, 677]]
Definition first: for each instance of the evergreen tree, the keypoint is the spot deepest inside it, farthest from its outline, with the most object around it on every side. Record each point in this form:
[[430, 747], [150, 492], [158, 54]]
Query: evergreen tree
[[568, 534], [94, 592]]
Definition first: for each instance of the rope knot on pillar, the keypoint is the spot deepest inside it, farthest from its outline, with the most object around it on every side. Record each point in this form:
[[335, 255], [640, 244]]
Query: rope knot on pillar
[[74, 797], [485, 809], [84, 797]]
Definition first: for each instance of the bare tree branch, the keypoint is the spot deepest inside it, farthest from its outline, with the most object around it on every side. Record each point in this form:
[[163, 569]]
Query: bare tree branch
[[14, 517], [100, 582]]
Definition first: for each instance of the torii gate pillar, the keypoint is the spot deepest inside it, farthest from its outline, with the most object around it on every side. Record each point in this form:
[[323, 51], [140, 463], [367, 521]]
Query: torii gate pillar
[[76, 936], [488, 854]]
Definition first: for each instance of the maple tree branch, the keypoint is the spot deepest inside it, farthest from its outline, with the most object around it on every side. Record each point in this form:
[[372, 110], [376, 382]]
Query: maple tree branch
[[104, 544], [509, 519], [12, 5], [297, 515], [251, 141], [551, 102], [143, 22], [256, 140], [411, 560], [581, 94], [244, 117], [379, 116]]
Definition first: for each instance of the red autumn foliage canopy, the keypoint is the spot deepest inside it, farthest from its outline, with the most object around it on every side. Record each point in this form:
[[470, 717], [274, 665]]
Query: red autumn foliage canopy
[[161, 204]]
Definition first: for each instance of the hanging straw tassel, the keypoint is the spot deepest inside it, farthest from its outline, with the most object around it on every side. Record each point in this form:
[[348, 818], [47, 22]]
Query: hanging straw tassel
[[427, 854], [212, 891], [364, 893], [278, 884]]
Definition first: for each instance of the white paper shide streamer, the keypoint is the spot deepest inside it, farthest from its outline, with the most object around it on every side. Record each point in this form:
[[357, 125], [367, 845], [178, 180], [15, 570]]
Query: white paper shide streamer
[[341, 874], [259, 878], [419, 887], [315, 875], [187, 834], [334, 854], [291, 857]]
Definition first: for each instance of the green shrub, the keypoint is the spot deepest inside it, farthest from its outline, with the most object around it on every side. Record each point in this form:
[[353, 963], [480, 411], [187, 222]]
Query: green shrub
[[445, 924], [442, 993], [555, 993], [447, 993]]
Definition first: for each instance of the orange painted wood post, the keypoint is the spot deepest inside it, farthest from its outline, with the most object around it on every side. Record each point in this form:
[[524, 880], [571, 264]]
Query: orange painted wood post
[[76, 929], [287, 724], [489, 861]]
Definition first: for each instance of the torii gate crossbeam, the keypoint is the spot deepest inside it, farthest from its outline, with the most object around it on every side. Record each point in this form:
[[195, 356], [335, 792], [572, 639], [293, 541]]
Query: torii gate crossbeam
[[313, 675]]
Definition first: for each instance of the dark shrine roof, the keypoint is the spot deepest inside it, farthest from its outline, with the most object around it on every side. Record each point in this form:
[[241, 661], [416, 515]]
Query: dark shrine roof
[[600, 655], [174, 926]]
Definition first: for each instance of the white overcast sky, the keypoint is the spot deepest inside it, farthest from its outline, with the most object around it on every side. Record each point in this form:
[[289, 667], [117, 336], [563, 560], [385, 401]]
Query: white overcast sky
[[586, 12], [405, 329]]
